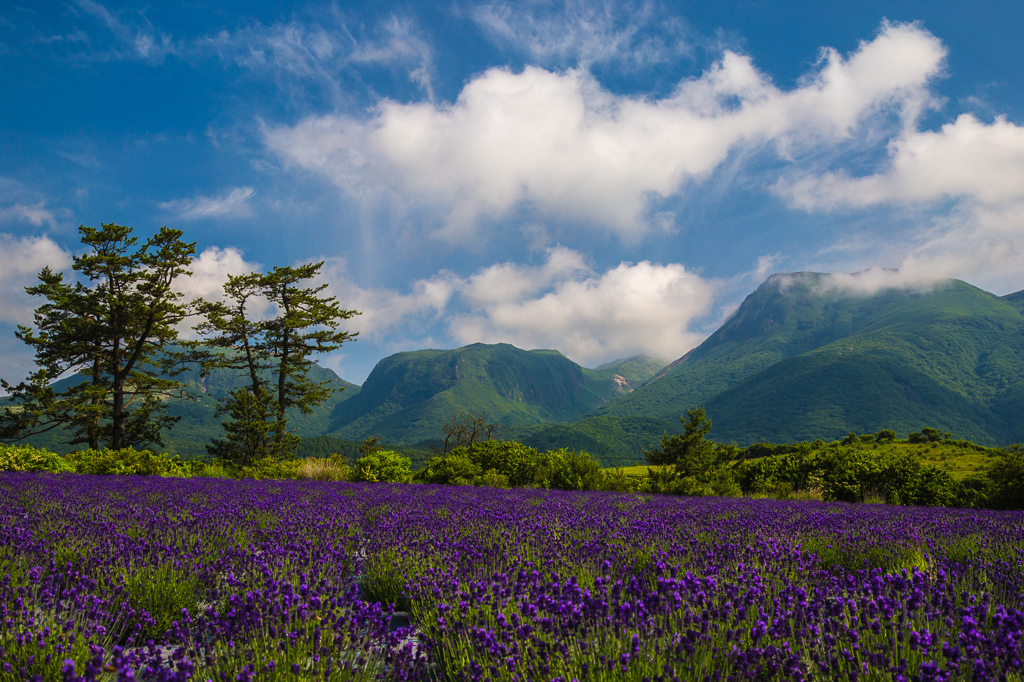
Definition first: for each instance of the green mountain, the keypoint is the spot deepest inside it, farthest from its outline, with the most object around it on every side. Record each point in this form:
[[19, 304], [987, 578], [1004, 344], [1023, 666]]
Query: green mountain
[[409, 396], [801, 360]]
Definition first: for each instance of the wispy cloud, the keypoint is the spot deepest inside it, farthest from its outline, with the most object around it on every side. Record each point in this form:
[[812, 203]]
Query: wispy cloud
[[135, 35], [399, 42], [231, 204], [314, 49], [576, 32], [37, 214]]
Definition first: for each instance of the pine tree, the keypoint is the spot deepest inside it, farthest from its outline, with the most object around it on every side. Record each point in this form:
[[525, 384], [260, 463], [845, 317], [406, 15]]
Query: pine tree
[[113, 326], [273, 354], [689, 453]]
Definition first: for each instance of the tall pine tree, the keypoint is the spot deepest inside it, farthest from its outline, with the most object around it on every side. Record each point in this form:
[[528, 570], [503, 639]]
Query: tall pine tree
[[113, 325]]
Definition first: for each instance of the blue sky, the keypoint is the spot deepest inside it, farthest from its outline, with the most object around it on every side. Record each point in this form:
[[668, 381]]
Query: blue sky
[[606, 179]]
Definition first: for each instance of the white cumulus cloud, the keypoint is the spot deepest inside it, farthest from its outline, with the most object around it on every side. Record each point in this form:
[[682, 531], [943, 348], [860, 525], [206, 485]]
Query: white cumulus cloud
[[591, 317], [561, 303], [37, 214], [963, 159], [384, 312], [560, 142], [210, 270], [969, 172], [21, 259]]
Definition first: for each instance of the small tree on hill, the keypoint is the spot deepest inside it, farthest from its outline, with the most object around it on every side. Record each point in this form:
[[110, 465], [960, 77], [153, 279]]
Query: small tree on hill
[[690, 453]]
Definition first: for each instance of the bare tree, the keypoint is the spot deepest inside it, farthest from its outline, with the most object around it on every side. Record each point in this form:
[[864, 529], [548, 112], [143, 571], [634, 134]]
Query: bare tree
[[466, 429]]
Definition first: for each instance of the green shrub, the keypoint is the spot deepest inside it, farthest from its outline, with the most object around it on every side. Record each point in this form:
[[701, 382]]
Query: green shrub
[[885, 435], [28, 458], [617, 480], [566, 469], [266, 468], [493, 479], [717, 482], [453, 468], [517, 462], [129, 461], [383, 466], [1006, 478]]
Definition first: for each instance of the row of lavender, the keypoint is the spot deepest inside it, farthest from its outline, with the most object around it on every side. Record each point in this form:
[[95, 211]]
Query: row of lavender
[[175, 579]]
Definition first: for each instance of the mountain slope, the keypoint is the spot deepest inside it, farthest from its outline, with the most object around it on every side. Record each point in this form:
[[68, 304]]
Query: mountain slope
[[1016, 298], [800, 359], [409, 396]]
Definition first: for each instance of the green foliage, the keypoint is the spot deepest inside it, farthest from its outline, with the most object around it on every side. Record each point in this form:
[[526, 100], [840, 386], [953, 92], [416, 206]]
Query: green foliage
[[1006, 477], [513, 460], [885, 436], [719, 482], [113, 331], [507, 462], [565, 469], [306, 323], [382, 466], [493, 479], [855, 476], [268, 467], [249, 431], [455, 468], [370, 445], [28, 458], [851, 470], [127, 461], [689, 463], [690, 453], [927, 435], [620, 481]]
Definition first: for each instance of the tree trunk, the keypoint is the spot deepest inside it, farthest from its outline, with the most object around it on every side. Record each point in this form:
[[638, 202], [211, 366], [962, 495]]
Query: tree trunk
[[251, 361], [93, 430], [118, 416], [282, 375]]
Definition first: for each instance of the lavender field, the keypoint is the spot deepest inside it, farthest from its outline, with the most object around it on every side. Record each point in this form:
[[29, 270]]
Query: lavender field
[[139, 578]]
